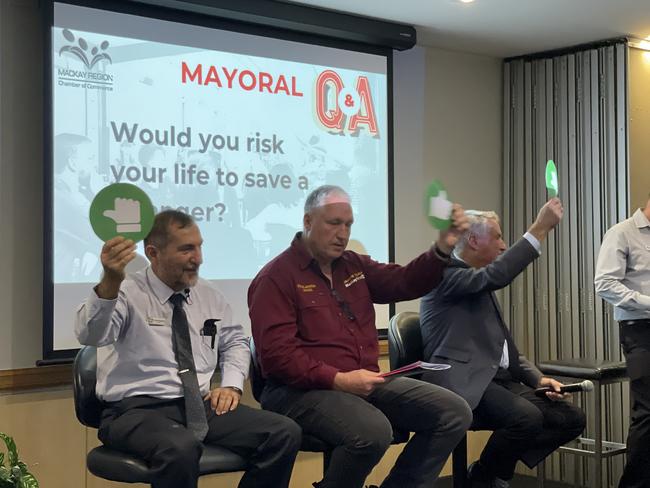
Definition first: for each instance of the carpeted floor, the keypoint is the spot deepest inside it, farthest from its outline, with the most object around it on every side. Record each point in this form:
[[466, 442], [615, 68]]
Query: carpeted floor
[[517, 482]]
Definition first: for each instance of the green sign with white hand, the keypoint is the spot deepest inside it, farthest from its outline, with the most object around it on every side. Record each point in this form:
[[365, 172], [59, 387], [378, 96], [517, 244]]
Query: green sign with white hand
[[121, 209], [437, 206], [551, 179]]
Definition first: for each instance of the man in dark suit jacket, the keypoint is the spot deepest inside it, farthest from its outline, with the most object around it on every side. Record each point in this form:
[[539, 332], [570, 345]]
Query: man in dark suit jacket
[[462, 325]]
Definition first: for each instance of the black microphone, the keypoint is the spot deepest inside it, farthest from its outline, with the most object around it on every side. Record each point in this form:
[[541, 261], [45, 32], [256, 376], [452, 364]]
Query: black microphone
[[187, 296], [586, 385]]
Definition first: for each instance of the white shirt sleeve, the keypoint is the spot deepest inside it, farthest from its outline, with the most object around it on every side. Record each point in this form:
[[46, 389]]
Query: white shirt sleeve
[[610, 272], [534, 242], [234, 353], [98, 321]]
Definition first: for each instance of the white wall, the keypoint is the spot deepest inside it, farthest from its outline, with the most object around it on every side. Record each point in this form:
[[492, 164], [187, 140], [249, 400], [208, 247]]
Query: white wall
[[639, 101], [21, 183], [447, 125]]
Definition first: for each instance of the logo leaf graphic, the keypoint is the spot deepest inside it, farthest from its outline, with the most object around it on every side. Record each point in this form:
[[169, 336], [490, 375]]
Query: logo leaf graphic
[[82, 48], [69, 36], [77, 52], [98, 58]]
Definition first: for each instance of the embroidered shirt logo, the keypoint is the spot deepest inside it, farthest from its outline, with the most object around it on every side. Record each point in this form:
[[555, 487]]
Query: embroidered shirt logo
[[306, 288], [353, 278]]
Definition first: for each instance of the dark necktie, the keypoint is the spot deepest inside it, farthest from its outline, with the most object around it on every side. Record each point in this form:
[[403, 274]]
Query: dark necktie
[[195, 418]]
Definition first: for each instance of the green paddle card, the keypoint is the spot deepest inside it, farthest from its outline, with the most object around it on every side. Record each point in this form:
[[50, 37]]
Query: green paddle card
[[437, 206], [551, 179], [121, 209]]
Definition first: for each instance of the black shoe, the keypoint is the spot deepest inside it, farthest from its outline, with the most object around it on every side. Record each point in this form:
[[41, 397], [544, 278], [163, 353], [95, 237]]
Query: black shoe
[[499, 483], [477, 477]]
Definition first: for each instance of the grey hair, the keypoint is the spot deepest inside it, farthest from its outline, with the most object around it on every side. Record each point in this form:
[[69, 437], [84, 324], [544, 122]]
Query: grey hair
[[478, 225], [159, 234], [319, 195]]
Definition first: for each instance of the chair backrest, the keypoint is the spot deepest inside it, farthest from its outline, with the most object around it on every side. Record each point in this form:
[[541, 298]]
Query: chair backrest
[[404, 339], [86, 404], [257, 381]]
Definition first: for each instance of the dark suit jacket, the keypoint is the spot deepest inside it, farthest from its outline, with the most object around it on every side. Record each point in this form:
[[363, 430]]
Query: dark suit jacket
[[462, 325]]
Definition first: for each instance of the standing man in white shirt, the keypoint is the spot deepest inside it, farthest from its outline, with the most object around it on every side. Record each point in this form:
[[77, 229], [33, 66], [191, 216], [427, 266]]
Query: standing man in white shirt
[[160, 336], [623, 279]]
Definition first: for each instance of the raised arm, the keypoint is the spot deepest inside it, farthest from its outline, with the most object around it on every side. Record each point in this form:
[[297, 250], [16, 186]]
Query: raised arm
[[100, 318], [505, 268]]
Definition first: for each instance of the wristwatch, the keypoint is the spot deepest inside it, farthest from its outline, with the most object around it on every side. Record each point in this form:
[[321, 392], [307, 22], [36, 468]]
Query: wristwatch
[[238, 390]]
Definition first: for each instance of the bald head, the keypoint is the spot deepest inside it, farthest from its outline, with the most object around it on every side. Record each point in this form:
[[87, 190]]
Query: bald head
[[325, 195]]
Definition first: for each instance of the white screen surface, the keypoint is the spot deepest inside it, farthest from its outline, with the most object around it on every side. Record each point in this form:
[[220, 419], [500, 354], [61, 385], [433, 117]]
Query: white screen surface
[[232, 128]]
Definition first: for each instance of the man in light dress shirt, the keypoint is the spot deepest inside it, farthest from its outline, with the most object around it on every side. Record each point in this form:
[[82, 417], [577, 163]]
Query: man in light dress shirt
[[129, 320], [623, 279]]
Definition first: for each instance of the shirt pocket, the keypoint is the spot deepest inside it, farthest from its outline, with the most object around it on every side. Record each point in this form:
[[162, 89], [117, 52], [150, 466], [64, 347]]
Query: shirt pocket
[[361, 304], [204, 356], [315, 319]]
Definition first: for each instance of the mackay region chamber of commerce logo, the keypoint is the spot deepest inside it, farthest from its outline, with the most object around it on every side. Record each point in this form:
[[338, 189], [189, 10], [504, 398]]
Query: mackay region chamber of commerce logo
[[92, 58]]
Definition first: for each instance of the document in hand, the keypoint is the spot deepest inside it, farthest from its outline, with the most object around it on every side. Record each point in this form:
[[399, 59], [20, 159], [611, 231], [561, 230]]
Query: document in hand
[[415, 367]]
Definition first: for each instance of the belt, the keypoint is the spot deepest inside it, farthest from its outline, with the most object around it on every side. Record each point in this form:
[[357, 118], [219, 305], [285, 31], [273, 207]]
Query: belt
[[635, 322]]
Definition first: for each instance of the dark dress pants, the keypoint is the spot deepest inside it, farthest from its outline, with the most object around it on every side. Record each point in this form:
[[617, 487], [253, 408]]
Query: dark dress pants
[[361, 429], [154, 430], [635, 340], [525, 427]]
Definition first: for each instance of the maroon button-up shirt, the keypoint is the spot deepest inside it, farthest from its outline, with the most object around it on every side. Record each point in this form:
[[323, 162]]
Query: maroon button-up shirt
[[306, 331]]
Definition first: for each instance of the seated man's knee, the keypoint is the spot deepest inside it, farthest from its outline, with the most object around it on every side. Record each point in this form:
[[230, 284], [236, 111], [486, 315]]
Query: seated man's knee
[[286, 434], [463, 415], [372, 434], [453, 414], [527, 422], [179, 450], [575, 422]]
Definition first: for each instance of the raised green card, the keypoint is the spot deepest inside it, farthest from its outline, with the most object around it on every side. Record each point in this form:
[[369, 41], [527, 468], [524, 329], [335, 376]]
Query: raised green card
[[121, 209], [551, 179], [438, 208]]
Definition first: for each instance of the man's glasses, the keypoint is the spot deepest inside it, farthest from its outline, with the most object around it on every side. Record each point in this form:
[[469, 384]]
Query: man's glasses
[[344, 305]]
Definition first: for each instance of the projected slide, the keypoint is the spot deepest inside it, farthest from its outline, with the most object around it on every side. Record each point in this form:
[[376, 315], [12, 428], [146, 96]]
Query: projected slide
[[233, 129]]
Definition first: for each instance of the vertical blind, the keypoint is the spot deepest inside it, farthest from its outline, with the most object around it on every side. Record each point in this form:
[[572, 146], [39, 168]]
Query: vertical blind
[[570, 107]]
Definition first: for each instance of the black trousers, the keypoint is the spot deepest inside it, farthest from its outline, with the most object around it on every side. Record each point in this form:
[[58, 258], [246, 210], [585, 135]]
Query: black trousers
[[362, 428], [154, 430], [635, 340], [525, 427]]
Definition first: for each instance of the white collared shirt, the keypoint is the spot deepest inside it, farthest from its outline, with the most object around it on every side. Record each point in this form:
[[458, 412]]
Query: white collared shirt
[[134, 339], [505, 357], [623, 268]]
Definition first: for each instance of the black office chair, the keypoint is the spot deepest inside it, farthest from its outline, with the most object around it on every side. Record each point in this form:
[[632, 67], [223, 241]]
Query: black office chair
[[115, 465], [310, 443], [405, 347]]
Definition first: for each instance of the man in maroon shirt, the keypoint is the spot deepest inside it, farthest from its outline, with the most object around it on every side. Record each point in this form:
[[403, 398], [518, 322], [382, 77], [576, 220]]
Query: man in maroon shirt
[[313, 322]]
